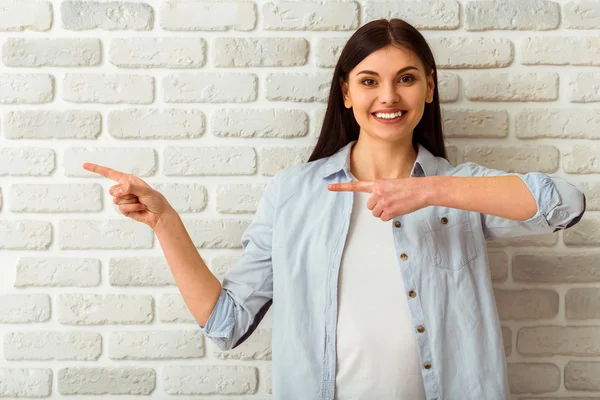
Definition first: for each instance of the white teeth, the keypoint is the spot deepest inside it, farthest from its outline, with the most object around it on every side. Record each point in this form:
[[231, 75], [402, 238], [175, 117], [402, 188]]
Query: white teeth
[[388, 116]]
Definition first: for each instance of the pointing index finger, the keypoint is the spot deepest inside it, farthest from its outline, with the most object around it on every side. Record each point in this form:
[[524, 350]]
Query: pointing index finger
[[359, 186], [104, 171]]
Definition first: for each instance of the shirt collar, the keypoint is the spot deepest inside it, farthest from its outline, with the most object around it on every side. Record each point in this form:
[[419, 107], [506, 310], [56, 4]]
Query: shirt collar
[[426, 161]]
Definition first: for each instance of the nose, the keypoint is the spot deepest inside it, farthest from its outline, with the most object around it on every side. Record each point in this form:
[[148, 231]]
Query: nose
[[389, 94]]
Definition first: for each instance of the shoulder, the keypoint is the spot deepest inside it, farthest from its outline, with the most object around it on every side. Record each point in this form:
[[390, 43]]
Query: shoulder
[[292, 175]]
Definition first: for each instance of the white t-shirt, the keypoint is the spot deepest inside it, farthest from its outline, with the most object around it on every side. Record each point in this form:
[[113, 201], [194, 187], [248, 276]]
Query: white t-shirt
[[377, 355]]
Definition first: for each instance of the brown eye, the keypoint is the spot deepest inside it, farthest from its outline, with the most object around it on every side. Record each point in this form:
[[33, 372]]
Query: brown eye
[[412, 78], [364, 81]]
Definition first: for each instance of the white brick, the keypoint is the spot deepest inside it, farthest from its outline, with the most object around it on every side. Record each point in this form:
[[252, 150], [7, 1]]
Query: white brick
[[475, 123], [25, 235], [108, 15], [47, 345], [537, 15], [507, 339], [582, 303], [300, 87], [216, 234], [264, 123], [520, 159], [555, 268], [447, 87], [139, 271], [94, 309], [559, 340], [533, 377], [560, 50], [25, 382], [156, 345], [471, 52], [210, 379], [57, 271], [218, 15], [106, 380], [221, 264], [441, 14], [26, 161], [275, 159], [268, 378], [108, 234], [328, 50], [239, 198], [566, 123], [24, 308], [156, 123], [582, 159], [50, 124], [256, 347], [224, 160], [172, 308], [26, 88], [68, 52], [582, 376], [164, 52], [545, 240], [453, 154], [585, 233], [210, 88], [526, 304], [581, 14], [583, 89], [591, 190], [184, 197], [516, 86], [259, 52], [311, 15], [51, 198], [498, 265], [134, 161], [108, 88], [19, 15], [316, 121]]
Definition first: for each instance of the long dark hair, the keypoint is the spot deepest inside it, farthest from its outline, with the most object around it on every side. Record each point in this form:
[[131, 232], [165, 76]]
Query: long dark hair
[[339, 125]]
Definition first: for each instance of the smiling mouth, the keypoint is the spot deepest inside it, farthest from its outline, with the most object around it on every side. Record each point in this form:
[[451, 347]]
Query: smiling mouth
[[396, 118]]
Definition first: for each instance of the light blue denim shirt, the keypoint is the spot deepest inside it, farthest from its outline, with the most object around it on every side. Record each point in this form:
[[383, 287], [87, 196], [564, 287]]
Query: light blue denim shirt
[[291, 258]]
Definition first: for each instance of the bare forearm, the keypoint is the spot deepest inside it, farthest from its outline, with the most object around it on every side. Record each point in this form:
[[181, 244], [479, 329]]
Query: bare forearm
[[199, 288], [502, 196]]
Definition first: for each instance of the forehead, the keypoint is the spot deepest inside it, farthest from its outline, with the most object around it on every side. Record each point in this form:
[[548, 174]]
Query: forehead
[[388, 60]]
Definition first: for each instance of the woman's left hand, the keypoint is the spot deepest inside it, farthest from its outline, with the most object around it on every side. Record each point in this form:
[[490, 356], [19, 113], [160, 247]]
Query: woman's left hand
[[389, 197]]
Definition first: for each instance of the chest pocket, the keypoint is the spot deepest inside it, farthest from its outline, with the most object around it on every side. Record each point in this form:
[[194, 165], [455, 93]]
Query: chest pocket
[[449, 238]]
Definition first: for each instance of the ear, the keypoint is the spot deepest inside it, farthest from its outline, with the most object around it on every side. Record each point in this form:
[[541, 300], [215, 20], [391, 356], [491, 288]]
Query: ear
[[345, 94], [430, 88]]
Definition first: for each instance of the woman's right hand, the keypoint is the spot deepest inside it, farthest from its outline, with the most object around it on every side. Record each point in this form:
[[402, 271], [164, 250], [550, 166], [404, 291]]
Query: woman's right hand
[[135, 198]]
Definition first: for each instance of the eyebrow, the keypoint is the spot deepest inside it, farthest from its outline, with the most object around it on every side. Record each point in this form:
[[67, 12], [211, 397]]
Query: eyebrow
[[397, 73]]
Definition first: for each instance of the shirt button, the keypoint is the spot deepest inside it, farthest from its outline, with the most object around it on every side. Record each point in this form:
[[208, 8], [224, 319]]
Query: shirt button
[[412, 293], [427, 365], [420, 328], [444, 220], [403, 256], [397, 224]]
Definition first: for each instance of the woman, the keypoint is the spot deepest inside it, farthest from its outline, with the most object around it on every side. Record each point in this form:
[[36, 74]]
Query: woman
[[399, 306]]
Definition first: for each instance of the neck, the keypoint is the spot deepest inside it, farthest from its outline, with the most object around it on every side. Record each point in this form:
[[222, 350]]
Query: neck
[[372, 159]]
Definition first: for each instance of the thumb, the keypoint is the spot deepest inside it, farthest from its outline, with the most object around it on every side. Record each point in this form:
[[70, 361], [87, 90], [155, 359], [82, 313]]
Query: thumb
[[132, 188]]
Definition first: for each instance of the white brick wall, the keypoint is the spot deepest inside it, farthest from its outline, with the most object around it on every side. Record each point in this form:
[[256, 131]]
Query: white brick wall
[[207, 100]]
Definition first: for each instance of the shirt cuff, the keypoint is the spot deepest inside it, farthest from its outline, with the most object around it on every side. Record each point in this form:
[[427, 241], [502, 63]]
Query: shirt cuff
[[221, 321]]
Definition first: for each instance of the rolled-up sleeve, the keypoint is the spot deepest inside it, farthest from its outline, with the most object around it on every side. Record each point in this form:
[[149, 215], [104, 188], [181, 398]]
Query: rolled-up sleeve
[[560, 205], [247, 290]]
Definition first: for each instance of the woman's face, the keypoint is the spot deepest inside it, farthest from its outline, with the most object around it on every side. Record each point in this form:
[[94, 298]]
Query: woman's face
[[389, 80]]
